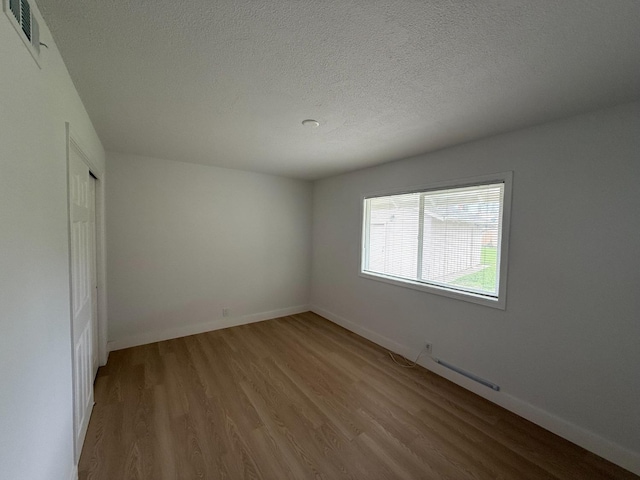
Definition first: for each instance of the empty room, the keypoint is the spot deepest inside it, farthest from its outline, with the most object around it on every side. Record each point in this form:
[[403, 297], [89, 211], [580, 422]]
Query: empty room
[[287, 239]]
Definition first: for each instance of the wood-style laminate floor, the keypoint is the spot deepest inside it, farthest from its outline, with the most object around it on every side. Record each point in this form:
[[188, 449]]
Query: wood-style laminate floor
[[301, 398]]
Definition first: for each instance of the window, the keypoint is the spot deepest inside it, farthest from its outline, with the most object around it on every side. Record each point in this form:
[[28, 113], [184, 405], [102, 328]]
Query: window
[[450, 239]]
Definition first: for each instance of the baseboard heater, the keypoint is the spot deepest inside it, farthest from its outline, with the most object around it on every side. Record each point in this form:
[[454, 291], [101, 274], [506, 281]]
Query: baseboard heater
[[470, 375]]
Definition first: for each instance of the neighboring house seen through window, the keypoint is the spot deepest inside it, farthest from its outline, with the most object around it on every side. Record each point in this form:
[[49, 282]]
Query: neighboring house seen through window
[[449, 239]]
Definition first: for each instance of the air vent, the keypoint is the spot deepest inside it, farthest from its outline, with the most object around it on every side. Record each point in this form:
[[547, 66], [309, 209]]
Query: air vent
[[25, 18], [21, 16], [15, 8]]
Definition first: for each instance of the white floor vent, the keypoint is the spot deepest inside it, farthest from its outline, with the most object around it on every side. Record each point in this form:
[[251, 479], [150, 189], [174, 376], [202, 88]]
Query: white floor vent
[[21, 16]]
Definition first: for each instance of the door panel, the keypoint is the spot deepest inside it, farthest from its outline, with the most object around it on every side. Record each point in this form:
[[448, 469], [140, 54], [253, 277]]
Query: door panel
[[81, 215], [94, 280]]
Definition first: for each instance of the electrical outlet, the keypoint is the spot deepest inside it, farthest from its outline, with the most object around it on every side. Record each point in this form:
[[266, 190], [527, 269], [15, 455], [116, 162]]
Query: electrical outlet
[[428, 347], [225, 312]]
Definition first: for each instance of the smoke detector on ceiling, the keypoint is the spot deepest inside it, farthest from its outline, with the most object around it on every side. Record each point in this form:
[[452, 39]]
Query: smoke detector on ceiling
[[311, 123]]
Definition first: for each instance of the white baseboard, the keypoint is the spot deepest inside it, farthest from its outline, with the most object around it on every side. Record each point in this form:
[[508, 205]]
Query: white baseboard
[[186, 330], [586, 439], [74, 473]]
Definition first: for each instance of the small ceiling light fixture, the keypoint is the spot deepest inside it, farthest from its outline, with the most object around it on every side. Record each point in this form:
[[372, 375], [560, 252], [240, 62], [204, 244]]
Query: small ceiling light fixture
[[311, 123]]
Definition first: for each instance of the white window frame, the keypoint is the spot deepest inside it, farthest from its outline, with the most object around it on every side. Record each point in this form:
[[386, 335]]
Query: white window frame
[[500, 302]]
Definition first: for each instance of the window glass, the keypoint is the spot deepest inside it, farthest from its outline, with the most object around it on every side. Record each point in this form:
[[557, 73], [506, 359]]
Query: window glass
[[446, 238]]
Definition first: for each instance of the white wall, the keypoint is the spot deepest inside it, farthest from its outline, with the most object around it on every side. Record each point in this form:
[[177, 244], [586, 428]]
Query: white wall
[[566, 350], [36, 429], [184, 241]]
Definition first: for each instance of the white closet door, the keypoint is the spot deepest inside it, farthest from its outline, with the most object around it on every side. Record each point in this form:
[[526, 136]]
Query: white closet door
[[95, 363], [82, 231]]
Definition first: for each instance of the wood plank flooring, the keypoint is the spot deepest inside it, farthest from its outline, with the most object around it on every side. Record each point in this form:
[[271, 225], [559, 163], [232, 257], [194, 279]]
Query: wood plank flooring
[[301, 398]]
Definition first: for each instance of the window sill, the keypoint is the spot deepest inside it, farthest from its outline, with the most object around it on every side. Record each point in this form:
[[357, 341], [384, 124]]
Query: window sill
[[498, 303]]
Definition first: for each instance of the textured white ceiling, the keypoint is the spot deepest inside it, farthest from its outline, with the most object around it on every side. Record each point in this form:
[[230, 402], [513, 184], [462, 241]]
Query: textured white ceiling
[[228, 82]]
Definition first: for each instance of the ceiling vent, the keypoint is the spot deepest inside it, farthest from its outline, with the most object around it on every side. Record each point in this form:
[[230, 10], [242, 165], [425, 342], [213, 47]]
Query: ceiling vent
[[21, 17]]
